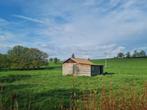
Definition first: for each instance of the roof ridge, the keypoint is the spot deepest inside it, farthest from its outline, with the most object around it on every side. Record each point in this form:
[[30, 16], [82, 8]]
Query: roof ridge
[[82, 60]]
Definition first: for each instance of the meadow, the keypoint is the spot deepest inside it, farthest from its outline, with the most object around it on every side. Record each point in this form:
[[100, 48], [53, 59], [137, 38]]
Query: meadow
[[48, 90]]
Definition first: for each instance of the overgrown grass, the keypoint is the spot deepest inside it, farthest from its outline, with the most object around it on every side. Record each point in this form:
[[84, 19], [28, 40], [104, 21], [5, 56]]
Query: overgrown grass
[[49, 90]]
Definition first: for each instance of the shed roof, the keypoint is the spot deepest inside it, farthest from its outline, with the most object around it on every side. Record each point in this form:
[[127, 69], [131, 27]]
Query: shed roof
[[80, 61]]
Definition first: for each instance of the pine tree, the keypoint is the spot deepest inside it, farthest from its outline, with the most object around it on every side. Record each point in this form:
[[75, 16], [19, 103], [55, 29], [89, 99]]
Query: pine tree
[[128, 55]]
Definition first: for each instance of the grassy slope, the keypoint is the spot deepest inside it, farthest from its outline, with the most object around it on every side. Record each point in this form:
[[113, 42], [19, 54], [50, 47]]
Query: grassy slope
[[45, 85], [127, 71], [126, 66]]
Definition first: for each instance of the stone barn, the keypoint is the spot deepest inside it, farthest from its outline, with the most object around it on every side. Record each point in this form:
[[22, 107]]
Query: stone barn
[[81, 67]]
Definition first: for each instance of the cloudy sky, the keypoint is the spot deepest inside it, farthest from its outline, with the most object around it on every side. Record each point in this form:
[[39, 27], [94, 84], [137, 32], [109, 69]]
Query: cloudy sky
[[88, 28]]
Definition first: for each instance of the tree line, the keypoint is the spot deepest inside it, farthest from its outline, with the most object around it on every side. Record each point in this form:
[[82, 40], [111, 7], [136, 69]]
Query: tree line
[[54, 60], [135, 54], [20, 57]]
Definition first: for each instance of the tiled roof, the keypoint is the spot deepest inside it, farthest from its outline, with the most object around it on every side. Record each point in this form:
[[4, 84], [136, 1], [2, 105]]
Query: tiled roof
[[80, 61]]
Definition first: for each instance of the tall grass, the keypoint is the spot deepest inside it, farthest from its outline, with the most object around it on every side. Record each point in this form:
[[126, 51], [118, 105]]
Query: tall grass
[[128, 100], [123, 99]]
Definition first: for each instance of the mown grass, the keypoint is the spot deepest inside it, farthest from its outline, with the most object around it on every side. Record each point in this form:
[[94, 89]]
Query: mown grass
[[49, 90]]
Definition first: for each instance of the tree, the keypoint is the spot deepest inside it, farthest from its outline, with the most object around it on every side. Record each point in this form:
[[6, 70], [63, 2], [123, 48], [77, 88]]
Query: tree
[[17, 57], [37, 58], [120, 55], [128, 55], [4, 62], [73, 55], [142, 53], [27, 58], [51, 59], [136, 54], [56, 60]]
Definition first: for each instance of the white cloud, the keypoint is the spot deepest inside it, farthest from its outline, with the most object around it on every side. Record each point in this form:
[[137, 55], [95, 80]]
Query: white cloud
[[3, 38], [3, 23], [87, 50], [89, 27], [93, 25], [29, 19]]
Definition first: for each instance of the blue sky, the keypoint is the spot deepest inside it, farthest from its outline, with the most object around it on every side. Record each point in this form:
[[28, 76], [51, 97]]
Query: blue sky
[[88, 28]]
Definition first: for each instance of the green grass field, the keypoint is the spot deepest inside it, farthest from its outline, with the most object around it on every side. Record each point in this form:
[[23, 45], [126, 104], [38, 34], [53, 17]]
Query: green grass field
[[47, 89]]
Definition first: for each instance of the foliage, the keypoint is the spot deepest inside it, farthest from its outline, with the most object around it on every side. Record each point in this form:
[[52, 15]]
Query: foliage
[[20, 57], [4, 61], [141, 53], [136, 54], [56, 60], [128, 55], [120, 55], [51, 60]]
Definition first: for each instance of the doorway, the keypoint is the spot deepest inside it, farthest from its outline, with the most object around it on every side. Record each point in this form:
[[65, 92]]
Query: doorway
[[75, 69]]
